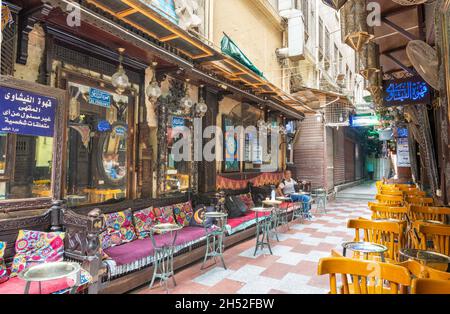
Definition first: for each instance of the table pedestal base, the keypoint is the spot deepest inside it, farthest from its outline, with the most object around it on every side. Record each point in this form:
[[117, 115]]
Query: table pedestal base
[[163, 267], [214, 247]]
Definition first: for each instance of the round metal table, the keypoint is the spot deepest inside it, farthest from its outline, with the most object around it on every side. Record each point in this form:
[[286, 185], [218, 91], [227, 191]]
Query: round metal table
[[51, 271], [262, 228], [365, 248], [214, 237], [428, 258], [163, 255], [279, 216]]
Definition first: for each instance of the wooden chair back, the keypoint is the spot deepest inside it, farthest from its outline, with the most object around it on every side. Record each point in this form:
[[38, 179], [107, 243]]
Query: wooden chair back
[[418, 212], [419, 270], [389, 199], [405, 186], [392, 192], [381, 211], [389, 234], [423, 201], [430, 286], [414, 193], [368, 277], [439, 235]]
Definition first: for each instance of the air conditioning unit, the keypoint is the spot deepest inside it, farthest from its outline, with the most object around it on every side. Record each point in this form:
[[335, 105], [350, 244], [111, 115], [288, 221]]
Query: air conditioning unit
[[296, 31]]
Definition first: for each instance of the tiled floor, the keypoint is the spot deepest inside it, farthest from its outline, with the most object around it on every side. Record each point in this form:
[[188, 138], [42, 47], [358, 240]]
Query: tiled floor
[[291, 269]]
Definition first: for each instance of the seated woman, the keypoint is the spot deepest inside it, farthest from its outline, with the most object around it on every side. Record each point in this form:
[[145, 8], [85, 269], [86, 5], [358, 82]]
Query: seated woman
[[287, 188]]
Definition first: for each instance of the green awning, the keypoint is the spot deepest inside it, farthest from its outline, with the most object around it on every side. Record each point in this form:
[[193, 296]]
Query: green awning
[[229, 48]]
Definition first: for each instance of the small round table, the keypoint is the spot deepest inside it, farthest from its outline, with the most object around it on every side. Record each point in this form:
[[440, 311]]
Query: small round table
[[364, 247], [429, 258], [163, 256], [262, 228], [214, 237], [51, 271], [279, 217]]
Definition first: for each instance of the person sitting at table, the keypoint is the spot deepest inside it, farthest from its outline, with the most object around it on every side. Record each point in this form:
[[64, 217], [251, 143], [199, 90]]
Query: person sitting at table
[[287, 188]]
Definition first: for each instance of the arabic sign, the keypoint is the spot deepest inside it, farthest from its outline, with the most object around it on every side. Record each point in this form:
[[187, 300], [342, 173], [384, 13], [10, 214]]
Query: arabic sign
[[402, 132], [403, 153], [177, 122], [26, 113], [412, 90], [99, 98], [359, 121]]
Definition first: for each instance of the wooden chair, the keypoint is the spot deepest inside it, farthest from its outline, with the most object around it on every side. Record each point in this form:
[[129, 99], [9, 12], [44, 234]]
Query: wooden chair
[[414, 193], [439, 235], [389, 199], [419, 270], [418, 212], [389, 234], [430, 286], [422, 201], [405, 186], [392, 192], [368, 277], [381, 211]]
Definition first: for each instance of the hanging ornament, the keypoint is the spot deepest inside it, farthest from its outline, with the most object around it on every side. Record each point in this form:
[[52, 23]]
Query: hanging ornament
[[335, 4], [370, 60], [201, 107], [355, 30], [153, 89], [120, 79]]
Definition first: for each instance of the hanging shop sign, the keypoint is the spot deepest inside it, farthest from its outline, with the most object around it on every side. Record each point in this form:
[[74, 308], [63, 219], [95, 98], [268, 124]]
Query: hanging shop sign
[[403, 153], [402, 132], [178, 122], [26, 113], [363, 120], [408, 91], [386, 134], [100, 98]]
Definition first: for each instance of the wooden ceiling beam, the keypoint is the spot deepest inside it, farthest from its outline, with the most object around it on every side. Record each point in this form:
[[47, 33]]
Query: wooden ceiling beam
[[400, 64], [399, 29], [393, 50], [398, 10]]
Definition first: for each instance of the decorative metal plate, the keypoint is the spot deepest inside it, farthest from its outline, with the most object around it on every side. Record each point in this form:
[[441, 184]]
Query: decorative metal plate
[[271, 202], [166, 227], [215, 215], [261, 209], [364, 247], [50, 271], [425, 256]]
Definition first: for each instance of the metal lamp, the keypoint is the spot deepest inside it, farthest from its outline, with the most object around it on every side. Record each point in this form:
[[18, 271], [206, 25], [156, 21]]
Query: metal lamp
[[120, 79], [153, 89]]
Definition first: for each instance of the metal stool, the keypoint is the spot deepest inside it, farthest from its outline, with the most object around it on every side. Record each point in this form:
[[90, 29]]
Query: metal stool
[[277, 215], [163, 256], [214, 237], [320, 196], [263, 225]]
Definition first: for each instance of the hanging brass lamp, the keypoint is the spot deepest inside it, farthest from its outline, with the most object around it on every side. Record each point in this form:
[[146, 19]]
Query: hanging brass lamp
[[370, 60], [375, 86], [355, 30], [335, 4]]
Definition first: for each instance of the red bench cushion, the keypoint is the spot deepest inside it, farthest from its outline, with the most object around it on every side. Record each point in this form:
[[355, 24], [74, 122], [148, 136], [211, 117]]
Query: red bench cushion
[[250, 215], [139, 249], [17, 286]]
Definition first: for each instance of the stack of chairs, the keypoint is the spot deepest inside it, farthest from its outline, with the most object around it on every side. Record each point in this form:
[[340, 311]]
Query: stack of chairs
[[402, 217]]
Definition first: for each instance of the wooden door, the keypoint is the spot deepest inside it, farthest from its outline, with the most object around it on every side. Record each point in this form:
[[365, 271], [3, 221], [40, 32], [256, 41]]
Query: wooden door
[[349, 161]]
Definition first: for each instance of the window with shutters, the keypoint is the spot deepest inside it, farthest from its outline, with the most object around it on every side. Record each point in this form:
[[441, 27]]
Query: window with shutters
[[9, 40]]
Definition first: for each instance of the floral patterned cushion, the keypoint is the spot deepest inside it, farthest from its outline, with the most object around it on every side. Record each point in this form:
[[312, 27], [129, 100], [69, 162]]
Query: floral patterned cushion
[[119, 229], [248, 200], [143, 221], [34, 247], [164, 214], [3, 271], [183, 213]]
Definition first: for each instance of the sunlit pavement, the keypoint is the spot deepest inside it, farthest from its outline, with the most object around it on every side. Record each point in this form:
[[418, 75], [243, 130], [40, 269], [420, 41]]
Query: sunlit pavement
[[291, 269]]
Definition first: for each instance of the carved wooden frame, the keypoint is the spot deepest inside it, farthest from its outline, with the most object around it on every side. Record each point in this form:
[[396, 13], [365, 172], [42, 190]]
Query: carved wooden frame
[[59, 144]]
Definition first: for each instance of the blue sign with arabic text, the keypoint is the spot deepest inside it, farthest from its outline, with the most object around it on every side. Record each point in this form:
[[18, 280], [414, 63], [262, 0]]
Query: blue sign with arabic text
[[412, 90], [99, 98], [26, 113]]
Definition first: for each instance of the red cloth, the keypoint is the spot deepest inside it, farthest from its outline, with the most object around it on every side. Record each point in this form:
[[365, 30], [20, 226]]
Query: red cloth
[[16, 285], [234, 222]]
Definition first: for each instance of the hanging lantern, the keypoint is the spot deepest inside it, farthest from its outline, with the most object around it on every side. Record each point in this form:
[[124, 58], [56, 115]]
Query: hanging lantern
[[375, 87], [355, 30], [335, 4], [74, 108], [153, 90], [120, 79], [111, 114], [201, 107], [370, 60]]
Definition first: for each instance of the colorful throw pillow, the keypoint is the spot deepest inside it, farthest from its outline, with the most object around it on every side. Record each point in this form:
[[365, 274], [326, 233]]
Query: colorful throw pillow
[[143, 221], [164, 214], [34, 247], [183, 213], [199, 216], [3, 270], [119, 229], [248, 200]]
